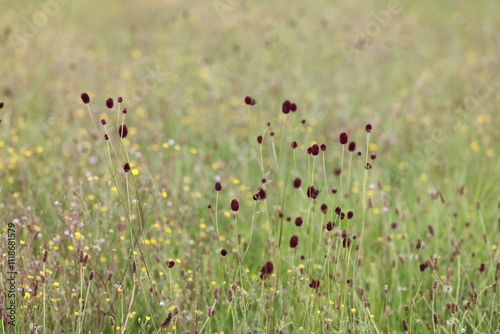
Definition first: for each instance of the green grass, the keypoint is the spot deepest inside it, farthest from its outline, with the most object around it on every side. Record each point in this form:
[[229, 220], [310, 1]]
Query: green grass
[[427, 81]]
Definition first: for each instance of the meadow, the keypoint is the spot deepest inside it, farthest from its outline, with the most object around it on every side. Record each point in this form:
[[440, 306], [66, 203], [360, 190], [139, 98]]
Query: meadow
[[231, 166]]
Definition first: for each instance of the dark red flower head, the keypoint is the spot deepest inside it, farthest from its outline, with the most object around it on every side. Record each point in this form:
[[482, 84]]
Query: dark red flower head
[[343, 138], [120, 99], [285, 107], [323, 147], [235, 205], [123, 131], [324, 208], [350, 214], [260, 194], [250, 101], [103, 121], [223, 252], [352, 146], [294, 241], [109, 103], [368, 128], [315, 149], [171, 264], [266, 269], [373, 156], [125, 110], [126, 167], [293, 107], [85, 98], [314, 284], [218, 186], [294, 144], [312, 192], [298, 221], [1, 105], [259, 139], [329, 226], [106, 137], [297, 182]]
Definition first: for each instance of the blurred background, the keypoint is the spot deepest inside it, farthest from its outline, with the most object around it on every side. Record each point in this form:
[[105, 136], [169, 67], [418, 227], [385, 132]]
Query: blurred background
[[425, 73]]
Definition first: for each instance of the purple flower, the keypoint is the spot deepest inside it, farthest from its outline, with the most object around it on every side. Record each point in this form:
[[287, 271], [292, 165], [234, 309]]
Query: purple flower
[[285, 107], [85, 98], [235, 205], [123, 131], [109, 103], [343, 138]]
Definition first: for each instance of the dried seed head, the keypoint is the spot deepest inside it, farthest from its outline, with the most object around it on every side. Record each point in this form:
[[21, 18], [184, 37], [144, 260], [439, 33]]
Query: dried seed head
[[45, 256], [112, 320], [109, 103], [343, 138], [235, 205], [294, 241], [404, 323], [123, 131], [166, 323], [134, 267], [85, 98], [218, 186], [230, 295], [216, 292], [91, 275]]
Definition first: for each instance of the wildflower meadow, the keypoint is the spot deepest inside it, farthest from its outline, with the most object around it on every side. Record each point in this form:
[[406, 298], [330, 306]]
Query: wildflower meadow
[[249, 167]]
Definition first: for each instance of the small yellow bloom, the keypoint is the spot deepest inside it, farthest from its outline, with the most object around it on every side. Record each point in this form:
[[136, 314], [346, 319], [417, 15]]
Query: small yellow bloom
[[56, 284]]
